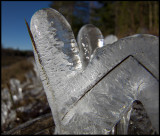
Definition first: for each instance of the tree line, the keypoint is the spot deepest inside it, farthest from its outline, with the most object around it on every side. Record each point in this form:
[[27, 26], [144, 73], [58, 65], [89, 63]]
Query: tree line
[[121, 18]]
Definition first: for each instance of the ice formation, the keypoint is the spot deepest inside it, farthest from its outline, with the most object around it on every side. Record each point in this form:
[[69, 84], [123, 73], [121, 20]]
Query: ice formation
[[90, 87], [110, 39]]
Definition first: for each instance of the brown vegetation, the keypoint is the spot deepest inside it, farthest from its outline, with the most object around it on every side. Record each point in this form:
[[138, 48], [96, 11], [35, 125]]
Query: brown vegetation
[[16, 70], [14, 64]]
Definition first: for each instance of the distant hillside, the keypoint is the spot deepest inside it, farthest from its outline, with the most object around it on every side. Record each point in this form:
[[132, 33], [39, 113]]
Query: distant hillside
[[14, 64], [11, 56]]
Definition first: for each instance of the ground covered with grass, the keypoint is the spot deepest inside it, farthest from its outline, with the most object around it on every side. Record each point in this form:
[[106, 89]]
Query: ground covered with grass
[[14, 64], [23, 95]]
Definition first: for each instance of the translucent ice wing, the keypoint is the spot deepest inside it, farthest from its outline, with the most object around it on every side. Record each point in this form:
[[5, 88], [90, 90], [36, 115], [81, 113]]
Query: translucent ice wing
[[89, 39], [50, 29], [56, 54]]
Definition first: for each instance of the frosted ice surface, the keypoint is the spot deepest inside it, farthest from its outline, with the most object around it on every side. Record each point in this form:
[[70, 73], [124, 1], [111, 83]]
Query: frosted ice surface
[[57, 32], [84, 96], [110, 100], [110, 39]]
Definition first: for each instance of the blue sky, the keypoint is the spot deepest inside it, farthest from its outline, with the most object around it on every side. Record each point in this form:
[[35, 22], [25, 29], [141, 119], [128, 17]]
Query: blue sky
[[14, 32]]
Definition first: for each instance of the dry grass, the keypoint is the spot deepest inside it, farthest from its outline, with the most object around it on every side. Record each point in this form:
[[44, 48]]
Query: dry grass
[[10, 56], [9, 60], [16, 70], [14, 64]]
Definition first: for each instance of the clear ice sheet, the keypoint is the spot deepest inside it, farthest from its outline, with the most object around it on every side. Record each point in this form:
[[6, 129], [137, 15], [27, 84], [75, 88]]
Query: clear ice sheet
[[68, 78]]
